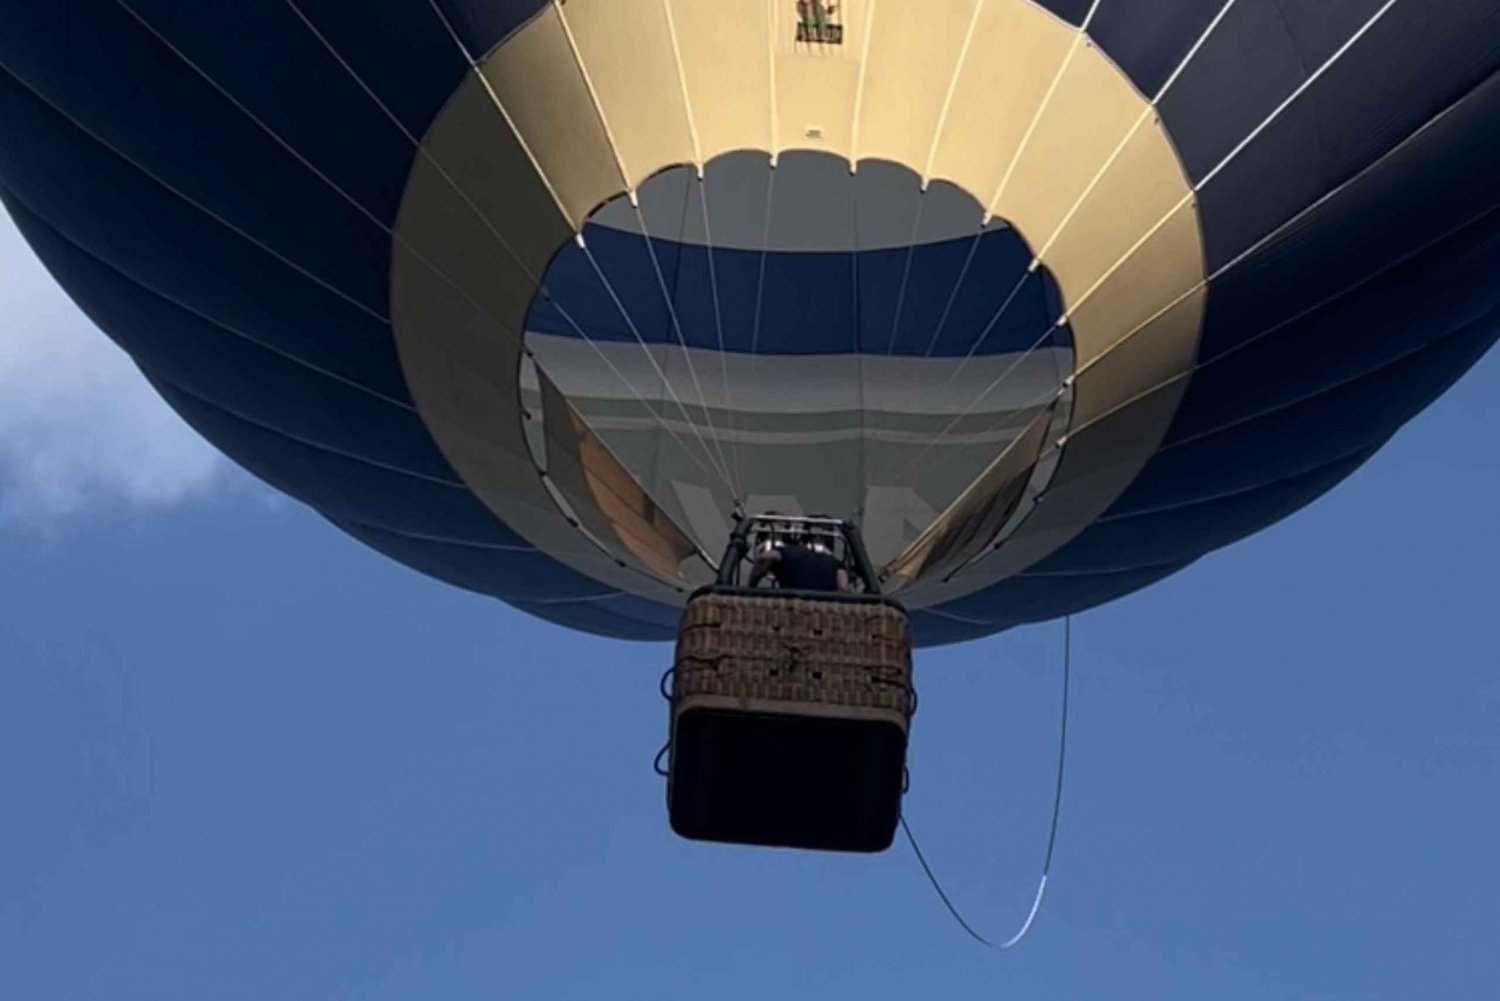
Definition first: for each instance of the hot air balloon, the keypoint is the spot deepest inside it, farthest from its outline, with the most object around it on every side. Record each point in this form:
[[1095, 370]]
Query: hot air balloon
[[1052, 298]]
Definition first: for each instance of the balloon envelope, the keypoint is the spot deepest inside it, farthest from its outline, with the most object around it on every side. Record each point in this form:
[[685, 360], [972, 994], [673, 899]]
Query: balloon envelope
[[1055, 297]]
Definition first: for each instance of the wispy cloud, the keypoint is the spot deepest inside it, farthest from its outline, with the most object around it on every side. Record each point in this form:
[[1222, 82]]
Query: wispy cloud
[[80, 428]]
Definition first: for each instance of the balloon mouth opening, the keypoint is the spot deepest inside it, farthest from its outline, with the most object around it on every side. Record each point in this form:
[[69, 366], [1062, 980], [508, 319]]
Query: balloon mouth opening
[[800, 337]]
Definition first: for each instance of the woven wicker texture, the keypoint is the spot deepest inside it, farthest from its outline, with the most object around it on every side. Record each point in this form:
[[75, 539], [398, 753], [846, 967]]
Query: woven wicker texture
[[828, 653]]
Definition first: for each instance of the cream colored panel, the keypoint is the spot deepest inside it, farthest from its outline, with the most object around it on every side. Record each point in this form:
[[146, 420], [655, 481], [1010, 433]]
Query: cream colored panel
[[461, 370], [1141, 188], [1096, 466], [1129, 262], [913, 56], [849, 17], [606, 496], [973, 520], [1098, 463], [541, 88], [726, 60], [816, 84], [1015, 54], [456, 242], [627, 53], [1158, 272], [1088, 116], [1090, 173], [1124, 400], [544, 527], [474, 149], [459, 297], [1159, 351], [1155, 353], [460, 364]]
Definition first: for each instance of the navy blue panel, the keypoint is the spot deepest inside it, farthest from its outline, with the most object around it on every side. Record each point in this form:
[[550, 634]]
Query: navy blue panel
[[1149, 39], [232, 371], [1429, 188], [1037, 598], [929, 629], [1296, 438], [885, 318], [808, 305], [398, 48], [1267, 183], [1417, 61], [573, 281], [932, 277], [1378, 93], [1317, 346], [665, 617], [1401, 311], [119, 215], [1245, 68], [503, 573], [999, 305], [601, 618], [1319, 28], [266, 59], [94, 62], [484, 24], [1072, 11], [1185, 533], [339, 487]]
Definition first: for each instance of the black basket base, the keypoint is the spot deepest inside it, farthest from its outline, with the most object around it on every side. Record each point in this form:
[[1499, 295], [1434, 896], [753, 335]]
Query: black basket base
[[784, 780]]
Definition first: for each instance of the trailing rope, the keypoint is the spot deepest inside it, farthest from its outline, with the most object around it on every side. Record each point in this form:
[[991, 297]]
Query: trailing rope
[[1041, 889]]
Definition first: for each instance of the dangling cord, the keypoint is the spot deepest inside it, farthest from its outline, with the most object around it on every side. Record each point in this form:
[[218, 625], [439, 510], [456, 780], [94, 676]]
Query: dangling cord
[[1062, 757]]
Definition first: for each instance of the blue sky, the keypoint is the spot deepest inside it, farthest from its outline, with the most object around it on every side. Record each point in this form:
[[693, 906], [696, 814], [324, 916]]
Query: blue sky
[[243, 757]]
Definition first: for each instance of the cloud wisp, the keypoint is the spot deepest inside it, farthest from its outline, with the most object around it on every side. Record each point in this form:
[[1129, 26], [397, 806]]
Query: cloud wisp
[[80, 428]]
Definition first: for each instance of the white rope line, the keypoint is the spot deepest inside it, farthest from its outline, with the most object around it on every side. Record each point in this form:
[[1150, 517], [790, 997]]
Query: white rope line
[[1004, 374], [713, 284], [510, 125], [588, 83], [417, 143], [1292, 97], [640, 397], [859, 86], [911, 250], [687, 355], [771, 84], [682, 81], [199, 206], [1192, 52], [1036, 119], [1039, 256], [985, 333], [489, 90], [646, 349], [963, 275], [1184, 201], [1015, 159], [1088, 18], [633, 195], [760, 283], [481, 216], [857, 326], [199, 314], [333, 185], [416, 253], [958, 69]]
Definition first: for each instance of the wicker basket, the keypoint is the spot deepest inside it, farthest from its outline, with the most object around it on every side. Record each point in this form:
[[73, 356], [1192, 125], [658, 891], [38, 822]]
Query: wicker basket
[[789, 719]]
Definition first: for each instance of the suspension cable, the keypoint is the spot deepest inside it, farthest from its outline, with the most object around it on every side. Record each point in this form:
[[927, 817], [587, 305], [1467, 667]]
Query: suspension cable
[[1041, 888], [687, 353]]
